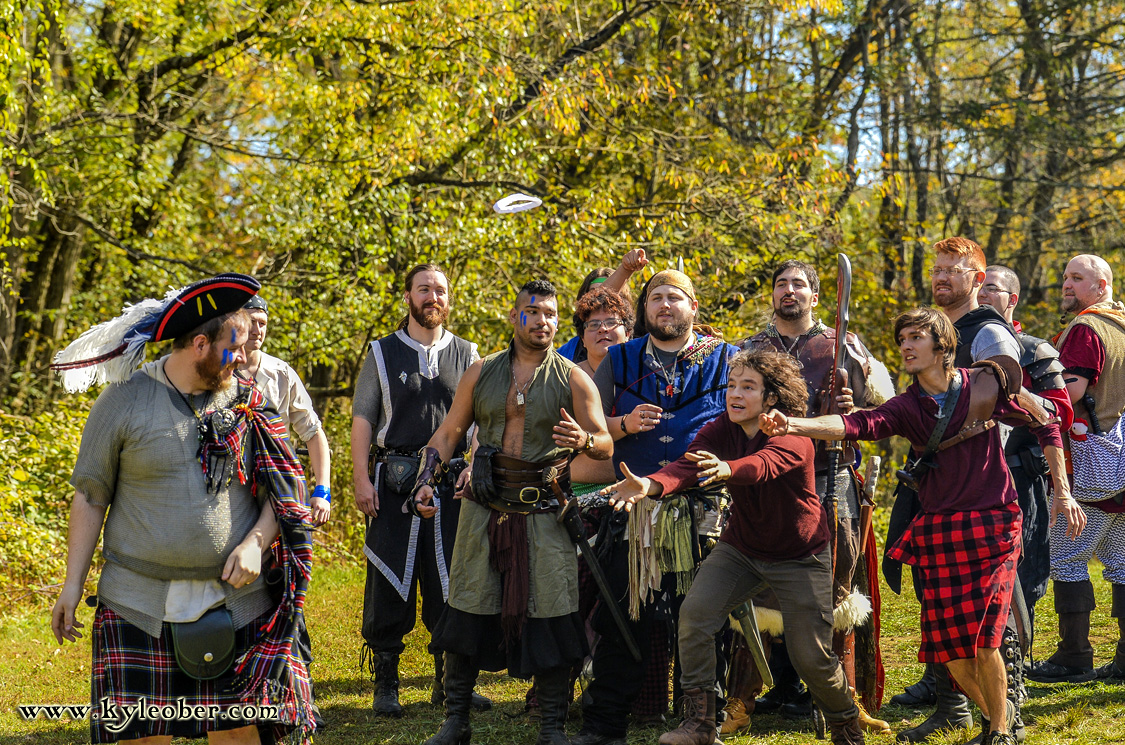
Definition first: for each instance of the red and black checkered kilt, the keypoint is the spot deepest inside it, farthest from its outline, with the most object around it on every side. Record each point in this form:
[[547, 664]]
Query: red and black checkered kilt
[[128, 664], [968, 565]]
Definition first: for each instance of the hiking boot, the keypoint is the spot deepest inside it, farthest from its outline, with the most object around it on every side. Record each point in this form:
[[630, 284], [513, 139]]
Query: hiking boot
[[385, 702], [736, 717], [918, 694], [952, 711], [1000, 738], [847, 732], [869, 723], [1015, 727], [698, 727]]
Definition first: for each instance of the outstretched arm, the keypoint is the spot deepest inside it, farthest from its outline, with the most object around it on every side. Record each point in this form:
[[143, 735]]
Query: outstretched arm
[[774, 423]]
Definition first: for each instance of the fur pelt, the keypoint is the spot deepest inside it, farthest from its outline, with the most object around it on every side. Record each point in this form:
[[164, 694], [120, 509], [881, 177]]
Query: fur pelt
[[853, 612]]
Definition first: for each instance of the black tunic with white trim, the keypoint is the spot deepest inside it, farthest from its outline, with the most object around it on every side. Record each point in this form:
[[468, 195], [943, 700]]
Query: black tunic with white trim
[[405, 390]]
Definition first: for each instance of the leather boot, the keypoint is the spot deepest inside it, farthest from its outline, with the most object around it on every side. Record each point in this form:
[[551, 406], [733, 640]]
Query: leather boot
[[1012, 654], [553, 689], [787, 685], [460, 677], [921, 693], [698, 727], [1073, 660], [952, 710], [847, 732], [437, 695], [385, 703]]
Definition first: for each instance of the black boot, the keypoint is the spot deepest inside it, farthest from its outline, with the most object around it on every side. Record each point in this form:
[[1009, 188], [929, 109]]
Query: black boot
[[1073, 660], [553, 689], [1115, 668], [952, 710], [437, 694], [459, 679], [1017, 692], [787, 685], [385, 668], [920, 693]]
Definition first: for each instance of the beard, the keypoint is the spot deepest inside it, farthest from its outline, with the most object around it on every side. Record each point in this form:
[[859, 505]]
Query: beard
[[669, 330], [953, 298], [790, 313], [430, 316], [213, 372], [1069, 304]]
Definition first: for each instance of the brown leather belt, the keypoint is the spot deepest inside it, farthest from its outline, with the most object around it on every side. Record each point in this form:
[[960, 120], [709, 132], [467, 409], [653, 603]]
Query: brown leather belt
[[525, 486]]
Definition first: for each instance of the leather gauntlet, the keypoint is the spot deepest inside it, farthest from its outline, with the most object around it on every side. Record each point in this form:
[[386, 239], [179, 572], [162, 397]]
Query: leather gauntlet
[[428, 475]]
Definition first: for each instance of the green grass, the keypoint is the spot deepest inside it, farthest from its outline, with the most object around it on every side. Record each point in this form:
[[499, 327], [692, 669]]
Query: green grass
[[36, 670]]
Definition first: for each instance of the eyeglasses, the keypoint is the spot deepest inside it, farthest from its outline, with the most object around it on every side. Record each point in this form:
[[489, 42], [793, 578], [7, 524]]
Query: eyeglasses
[[608, 324], [991, 289], [953, 271]]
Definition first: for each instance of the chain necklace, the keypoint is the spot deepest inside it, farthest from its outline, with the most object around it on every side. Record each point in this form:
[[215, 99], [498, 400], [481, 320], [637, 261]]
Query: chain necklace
[[521, 389], [201, 427], [669, 374]]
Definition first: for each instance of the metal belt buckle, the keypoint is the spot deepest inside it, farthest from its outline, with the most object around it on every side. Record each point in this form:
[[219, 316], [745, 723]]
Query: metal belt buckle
[[534, 495]]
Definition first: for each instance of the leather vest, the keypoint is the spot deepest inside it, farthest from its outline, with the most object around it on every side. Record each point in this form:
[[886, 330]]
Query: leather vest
[[969, 325], [547, 392]]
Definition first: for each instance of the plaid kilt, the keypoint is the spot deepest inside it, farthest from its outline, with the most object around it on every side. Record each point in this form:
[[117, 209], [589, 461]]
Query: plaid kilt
[[128, 664], [967, 562]]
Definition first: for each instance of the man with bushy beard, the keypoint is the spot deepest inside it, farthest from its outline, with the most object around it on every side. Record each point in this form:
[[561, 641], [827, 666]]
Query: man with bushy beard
[[795, 331], [403, 393], [657, 392]]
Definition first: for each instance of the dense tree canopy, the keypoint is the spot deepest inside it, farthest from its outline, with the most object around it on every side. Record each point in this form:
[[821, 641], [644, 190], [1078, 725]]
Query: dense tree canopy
[[327, 146]]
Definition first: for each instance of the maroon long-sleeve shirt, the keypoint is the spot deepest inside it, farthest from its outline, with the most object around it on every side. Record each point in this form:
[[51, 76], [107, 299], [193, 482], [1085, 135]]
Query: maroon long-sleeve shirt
[[971, 475], [775, 513]]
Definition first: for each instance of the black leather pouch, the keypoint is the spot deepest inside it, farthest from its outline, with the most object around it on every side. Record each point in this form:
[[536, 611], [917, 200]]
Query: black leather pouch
[[205, 648], [400, 472], [484, 488]]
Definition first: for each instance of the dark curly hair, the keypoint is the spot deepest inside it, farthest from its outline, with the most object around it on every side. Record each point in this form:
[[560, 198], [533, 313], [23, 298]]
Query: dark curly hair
[[603, 299], [781, 376]]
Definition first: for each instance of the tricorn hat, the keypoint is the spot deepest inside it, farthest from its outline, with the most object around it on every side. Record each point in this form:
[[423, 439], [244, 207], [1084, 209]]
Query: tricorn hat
[[111, 351]]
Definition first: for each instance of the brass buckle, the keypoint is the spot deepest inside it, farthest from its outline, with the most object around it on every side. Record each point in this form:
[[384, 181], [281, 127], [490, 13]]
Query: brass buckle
[[534, 495]]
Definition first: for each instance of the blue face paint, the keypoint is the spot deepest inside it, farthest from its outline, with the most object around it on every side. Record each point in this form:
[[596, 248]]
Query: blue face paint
[[523, 318], [233, 335], [227, 356]]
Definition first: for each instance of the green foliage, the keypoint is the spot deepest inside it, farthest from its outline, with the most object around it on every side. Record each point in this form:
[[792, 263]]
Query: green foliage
[[36, 459]]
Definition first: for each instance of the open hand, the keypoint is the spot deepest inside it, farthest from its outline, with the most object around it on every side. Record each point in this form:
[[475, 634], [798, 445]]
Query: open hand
[[464, 479], [711, 468], [628, 491], [63, 621], [1072, 512], [568, 433]]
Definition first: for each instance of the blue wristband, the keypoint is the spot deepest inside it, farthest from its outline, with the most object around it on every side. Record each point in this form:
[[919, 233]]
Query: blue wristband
[[323, 492]]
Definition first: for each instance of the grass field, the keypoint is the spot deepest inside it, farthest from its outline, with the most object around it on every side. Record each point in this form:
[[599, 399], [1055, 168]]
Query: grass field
[[36, 670]]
